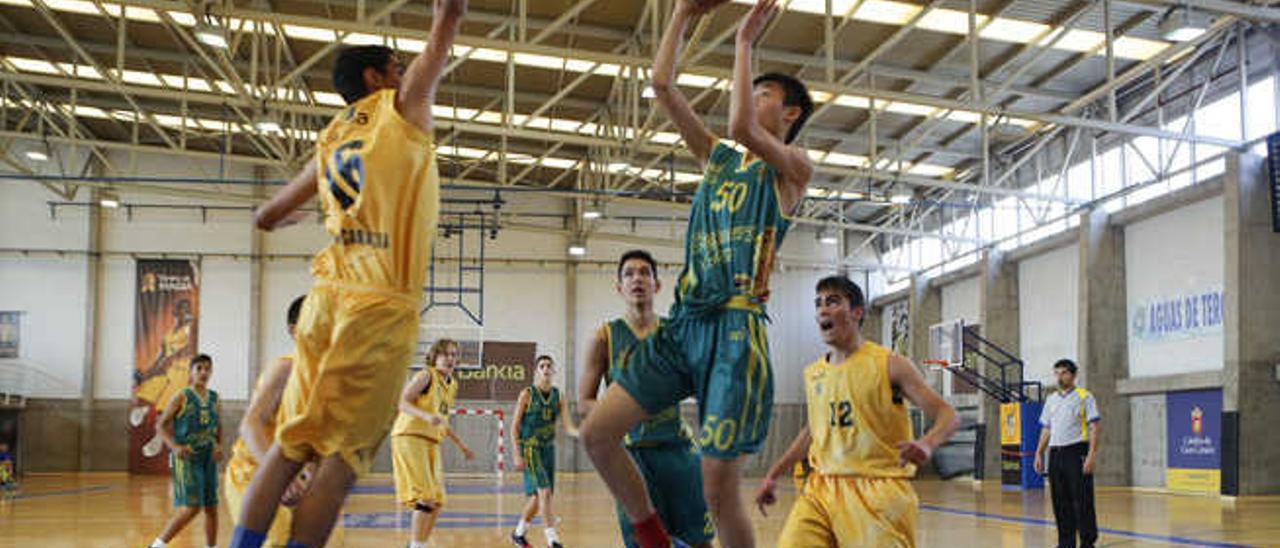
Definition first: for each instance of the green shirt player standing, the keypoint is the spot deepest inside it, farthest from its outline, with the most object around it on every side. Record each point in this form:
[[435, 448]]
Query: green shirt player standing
[[534, 431], [714, 346], [661, 445], [190, 426]]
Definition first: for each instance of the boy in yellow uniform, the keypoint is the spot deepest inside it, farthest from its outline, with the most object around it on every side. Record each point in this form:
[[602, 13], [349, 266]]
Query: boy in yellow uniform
[[257, 430], [858, 437], [415, 439], [376, 177]]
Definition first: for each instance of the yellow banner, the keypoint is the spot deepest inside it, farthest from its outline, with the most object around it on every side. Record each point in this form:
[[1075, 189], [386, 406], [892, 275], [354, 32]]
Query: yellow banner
[[1010, 424], [1195, 480]]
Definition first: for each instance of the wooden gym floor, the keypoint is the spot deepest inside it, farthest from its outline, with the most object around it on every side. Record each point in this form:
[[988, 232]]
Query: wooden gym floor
[[108, 510]]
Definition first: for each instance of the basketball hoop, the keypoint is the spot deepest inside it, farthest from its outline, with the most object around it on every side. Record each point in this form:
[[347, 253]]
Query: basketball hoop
[[937, 365]]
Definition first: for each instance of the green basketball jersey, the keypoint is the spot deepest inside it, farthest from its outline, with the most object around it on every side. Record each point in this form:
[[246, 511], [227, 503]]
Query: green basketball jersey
[[661, 428], [539, 421], [197, 424], [736, 225]]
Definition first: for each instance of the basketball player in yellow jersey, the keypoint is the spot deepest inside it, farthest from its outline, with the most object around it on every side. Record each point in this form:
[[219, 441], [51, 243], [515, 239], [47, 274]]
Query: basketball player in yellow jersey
[[376, 177], [858, 437], [257, 429], [425, 404]]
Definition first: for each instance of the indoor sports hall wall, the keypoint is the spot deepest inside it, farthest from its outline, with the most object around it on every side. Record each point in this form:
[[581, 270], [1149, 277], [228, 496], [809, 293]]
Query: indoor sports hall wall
[[527, 295], [1048, 302]]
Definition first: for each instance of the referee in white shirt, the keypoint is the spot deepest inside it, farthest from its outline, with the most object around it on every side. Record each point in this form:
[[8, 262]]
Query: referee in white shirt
[[1069, 429]]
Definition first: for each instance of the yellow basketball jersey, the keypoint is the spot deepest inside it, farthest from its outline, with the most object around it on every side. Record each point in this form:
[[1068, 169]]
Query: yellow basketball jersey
[[380, 191], [854, 417], [242, 464], [438, 398]]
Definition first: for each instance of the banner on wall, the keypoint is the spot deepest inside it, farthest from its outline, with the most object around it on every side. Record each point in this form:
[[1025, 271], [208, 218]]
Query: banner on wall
[[10, 333], [1177, 318], [164, 341], [1194, 452], [899, 328], [507, 369]]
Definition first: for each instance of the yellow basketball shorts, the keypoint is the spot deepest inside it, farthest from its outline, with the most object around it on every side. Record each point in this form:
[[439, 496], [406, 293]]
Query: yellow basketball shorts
[[852, 511], [419, 470], [354, 346], [234, 483]]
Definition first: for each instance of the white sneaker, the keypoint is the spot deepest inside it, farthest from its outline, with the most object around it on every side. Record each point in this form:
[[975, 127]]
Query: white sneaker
[[153, 447], [137, 415]]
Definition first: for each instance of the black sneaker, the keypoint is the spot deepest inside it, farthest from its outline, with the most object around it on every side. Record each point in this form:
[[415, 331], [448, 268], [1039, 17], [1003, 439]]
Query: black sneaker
[[555, 545], [519, 540]]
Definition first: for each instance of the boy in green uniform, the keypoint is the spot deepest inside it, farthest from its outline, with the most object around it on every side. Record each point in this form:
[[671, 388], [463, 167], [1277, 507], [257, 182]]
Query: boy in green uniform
[[714, 346], [661, 446], [190, 426], [534, 431]]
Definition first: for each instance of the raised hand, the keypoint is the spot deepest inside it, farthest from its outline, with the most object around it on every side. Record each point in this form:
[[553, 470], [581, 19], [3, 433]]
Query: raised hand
[[766, 495], [700, 7], [450, 8], [754, 21]]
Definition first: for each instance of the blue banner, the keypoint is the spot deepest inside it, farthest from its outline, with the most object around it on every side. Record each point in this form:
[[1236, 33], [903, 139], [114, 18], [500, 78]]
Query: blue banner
[[1194, 420]]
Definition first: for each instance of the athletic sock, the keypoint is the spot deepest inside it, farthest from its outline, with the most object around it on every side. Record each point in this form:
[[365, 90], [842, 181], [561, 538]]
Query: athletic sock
[[417, 544], [157, 543], [244, 538], [551, 535], [522, 528], [650, 534]]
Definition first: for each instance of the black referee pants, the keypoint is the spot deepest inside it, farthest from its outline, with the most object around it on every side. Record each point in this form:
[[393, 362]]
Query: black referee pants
[[1072, 492]]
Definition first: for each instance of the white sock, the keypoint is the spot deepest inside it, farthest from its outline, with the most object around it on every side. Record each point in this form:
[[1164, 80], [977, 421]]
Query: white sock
[[157, 543], [416, 544], [522, 528], [551, 535]]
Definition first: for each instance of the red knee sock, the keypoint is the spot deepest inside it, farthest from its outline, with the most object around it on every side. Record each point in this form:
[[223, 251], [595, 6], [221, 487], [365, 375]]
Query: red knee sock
[[650, 534]]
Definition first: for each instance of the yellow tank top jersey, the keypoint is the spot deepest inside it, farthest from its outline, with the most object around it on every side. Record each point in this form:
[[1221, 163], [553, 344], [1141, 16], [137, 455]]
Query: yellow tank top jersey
[[854, 417], [438, 398], [242, 463], [380, 189]]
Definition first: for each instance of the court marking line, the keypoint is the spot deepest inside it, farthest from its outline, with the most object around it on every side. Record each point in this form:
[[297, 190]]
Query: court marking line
[[58, 493], [1101, 530]]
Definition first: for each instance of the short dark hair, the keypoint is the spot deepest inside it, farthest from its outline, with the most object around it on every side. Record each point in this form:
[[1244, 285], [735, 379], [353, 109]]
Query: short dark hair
[[348, 71], [543, 357], [638, 254], [1065, 364], [295, 310], [795, 94], [200, 358], [843, 285]]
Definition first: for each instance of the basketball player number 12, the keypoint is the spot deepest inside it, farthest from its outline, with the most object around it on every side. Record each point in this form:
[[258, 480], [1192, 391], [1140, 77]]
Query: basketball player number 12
[[842, 410]]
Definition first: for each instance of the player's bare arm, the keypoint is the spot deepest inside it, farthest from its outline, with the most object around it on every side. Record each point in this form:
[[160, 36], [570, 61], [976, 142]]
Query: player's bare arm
[[165, 427], [904, 376], [799, 449], [593, 372], [696, 136], [255, 428], [522, 403], [420, 383], [418, 88], [792, 163], [281, 209]]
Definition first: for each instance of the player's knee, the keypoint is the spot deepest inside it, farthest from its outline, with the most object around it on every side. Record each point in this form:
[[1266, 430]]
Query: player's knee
[[596, 440]]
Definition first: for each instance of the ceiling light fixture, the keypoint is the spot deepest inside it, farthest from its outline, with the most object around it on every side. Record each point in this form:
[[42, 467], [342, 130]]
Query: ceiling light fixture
[[211, 36], [1183, 24]]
